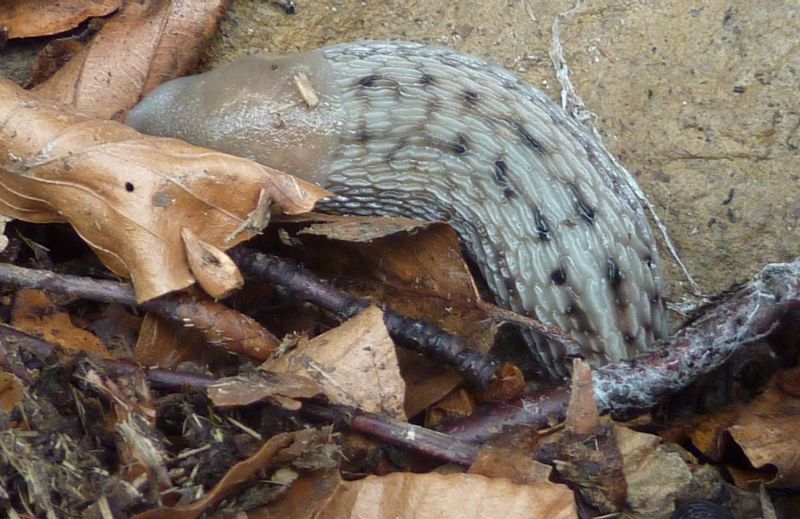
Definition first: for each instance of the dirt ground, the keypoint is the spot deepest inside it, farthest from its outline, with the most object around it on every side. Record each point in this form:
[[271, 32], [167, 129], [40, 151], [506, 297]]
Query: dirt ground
[[699, 100]]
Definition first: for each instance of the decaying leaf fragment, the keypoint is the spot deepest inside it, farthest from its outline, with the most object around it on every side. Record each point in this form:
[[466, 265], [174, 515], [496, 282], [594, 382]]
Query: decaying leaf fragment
[[27, 18], [129, 195], [144, 44], [435, 496], [355, 364]]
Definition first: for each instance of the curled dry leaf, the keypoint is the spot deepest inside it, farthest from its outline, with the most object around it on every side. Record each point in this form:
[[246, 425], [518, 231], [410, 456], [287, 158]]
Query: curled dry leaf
[[355, 364], [454, 495], [214, 270], [766, 432], [129, 195], [281, 388], [146, 43], [28, 18]]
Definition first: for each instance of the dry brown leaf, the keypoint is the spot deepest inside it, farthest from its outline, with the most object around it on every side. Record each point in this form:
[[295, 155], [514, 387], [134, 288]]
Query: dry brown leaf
[[53, 56], [35, 313], [435, 496], [766, 431], [456, 404], [281, 388], [583, 417], [308, 494], [146, 43], [10, 392], [278, 450], [220, 325], [28, 18], [512, 464], [129, 195], [214, 270], [355, 364], [165, 343]]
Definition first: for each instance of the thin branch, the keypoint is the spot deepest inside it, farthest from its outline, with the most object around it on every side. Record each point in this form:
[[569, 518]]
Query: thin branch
[[420, 336], [220, 324], [640, 383]]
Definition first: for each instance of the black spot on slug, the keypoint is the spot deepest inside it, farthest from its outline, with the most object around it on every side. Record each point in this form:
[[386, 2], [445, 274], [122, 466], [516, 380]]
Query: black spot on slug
[[426, 79], [470, 97], [585, 211], [530, 140], [363, 136], [501, 172], [368, 81], [509, 193], [542, 228], [559, 276], [629, 338], [649, 261], [129, 187], [581, 319], [615, 275], [459, 147]]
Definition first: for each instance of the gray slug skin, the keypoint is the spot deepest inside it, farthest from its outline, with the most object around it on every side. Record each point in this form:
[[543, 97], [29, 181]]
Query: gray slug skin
[[424, 132]]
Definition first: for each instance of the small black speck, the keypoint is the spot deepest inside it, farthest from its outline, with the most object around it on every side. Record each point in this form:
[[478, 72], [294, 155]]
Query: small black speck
[[459, 147], [730, 197], [128, 187], [363, 136], [501, 172], [530, 140], [368, 81], [274, 67], [648, 260], [739, 89], [732, 215], [615, 275], [629, 338], [542, 229], [426, 79], [649, 93], [559, 276], [470, 97], [586, 212], [509, 193]]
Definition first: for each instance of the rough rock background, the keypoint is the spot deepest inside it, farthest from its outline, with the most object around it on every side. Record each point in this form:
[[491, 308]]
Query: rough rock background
[[699, 100]]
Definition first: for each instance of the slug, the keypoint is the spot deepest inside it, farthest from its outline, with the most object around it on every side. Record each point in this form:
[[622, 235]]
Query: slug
[[407, 129]]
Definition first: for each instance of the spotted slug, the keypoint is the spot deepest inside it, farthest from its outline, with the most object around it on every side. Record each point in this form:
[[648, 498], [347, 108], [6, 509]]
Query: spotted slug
[[425, 132]]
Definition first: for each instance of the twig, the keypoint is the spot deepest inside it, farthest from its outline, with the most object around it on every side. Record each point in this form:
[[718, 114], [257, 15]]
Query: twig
[[640, 383], [420, 336], [220, 324]]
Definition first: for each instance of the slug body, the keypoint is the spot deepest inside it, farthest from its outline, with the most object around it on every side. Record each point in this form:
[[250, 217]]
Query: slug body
[[424, 132]]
